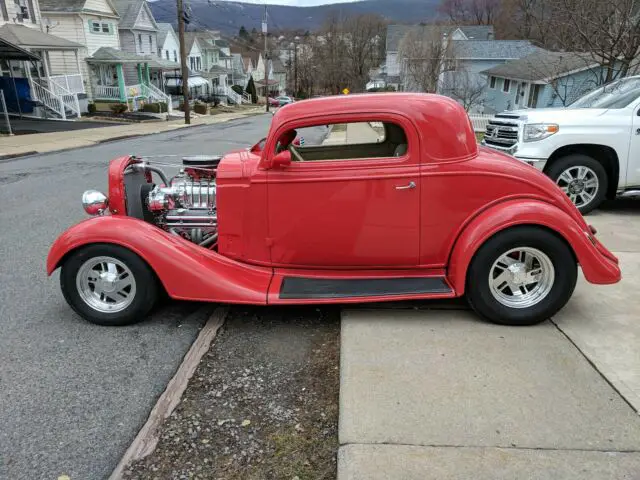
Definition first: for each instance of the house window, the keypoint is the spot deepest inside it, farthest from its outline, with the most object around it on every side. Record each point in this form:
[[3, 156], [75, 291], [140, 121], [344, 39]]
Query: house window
[[150, 44], [175, 56], [506, 86], [492, 82], [166, 53], [22, 11], [140, 41], [198, 63], [99, 27]]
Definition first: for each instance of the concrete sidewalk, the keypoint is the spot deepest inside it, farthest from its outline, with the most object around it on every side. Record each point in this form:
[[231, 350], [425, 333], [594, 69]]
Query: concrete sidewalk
[[438, 394], [19, 145]]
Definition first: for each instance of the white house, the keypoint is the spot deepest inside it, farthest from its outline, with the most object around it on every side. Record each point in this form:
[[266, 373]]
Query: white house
[[168, 44], [91, 23], [38, 86]]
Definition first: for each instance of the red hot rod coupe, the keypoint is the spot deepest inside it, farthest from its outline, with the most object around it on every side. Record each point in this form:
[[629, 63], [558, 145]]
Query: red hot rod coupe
[[420, 212]]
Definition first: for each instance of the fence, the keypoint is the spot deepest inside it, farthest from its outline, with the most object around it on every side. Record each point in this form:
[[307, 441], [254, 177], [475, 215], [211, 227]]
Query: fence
[[479, 121]]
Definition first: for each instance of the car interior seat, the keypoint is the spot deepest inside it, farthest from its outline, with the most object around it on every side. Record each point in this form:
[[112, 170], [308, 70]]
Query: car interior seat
[[396, 139]]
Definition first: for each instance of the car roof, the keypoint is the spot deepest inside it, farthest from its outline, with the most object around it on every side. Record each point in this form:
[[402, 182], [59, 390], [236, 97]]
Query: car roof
[[451, 135]]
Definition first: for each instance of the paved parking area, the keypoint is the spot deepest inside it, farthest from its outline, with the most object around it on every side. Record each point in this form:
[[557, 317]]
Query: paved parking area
[[434, 393]]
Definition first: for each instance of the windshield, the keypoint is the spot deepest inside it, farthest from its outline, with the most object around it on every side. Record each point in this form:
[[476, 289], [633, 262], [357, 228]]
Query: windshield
[[613, 95]]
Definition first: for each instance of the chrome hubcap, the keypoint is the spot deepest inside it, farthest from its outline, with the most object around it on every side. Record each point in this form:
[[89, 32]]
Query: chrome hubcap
[[106, 284], [580, 184], [521, 277]]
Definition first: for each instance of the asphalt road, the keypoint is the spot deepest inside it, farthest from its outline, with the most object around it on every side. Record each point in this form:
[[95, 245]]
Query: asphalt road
[[73, 395]]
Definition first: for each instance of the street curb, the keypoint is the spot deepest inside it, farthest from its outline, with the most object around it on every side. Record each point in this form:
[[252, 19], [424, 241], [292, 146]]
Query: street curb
[[147, 438], [15, 156]]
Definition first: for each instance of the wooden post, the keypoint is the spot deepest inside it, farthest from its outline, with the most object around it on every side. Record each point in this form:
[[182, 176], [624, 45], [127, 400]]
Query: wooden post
[[266, 70], [146, 74], [183, 63]]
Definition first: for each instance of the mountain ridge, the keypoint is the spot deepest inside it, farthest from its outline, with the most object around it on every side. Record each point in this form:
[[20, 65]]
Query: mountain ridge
[[230, 16]]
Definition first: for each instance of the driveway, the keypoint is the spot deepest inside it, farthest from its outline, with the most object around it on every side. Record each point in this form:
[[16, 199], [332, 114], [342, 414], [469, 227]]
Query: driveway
[[73, 395], [428, 391]]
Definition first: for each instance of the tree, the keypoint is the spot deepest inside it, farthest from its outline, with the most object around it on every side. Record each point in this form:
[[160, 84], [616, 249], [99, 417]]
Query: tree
[[251, 90], [424, 52], [362, 35], [466, 88], [479, 12], [243, 33]]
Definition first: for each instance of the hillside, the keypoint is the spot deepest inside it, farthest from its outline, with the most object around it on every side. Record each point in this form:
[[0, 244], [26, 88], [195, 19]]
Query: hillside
[[230, 16]]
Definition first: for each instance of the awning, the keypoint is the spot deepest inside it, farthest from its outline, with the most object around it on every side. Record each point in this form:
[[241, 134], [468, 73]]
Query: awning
[[9, 51], [27, 37], [192, 82]]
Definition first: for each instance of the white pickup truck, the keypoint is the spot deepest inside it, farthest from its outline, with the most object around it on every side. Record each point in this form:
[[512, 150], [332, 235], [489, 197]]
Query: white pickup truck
[[591, 149]]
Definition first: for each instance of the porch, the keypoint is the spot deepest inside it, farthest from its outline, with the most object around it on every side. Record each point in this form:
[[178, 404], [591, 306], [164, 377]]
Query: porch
[[26, 76], [109, 80]]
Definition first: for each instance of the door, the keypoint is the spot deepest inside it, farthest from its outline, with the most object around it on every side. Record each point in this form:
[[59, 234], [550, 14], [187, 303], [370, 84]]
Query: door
[[633, 162], [352, 202]]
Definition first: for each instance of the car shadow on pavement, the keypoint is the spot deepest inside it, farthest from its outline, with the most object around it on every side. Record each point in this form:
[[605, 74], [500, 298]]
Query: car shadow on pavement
[[621, 206]]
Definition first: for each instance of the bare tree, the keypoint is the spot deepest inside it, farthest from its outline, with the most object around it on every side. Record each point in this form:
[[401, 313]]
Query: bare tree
[[466, 88], [362, 34], [479, 12], [423, 54]]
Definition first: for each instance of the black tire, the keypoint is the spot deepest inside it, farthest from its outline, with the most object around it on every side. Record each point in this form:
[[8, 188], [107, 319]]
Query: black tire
[[146, 282], [479, 293], [579, 160]]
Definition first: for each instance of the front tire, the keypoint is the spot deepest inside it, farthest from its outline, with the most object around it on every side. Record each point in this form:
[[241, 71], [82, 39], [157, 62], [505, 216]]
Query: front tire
[[582, 178], [108, 285], [521, 276]]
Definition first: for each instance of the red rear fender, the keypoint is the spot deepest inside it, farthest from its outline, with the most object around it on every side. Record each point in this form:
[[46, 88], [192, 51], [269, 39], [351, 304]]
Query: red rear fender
[[598, 264], [187, 271]]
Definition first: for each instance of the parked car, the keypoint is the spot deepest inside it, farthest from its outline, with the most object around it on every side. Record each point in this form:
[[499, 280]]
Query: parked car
[[274, 102], [420, 212], [284, 100], [591, 149]]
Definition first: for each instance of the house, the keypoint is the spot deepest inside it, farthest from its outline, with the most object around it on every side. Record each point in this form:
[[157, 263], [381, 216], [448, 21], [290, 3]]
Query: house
[[279, 74], [168, 43], [91, 23], [130, 72], [31, 82], [396, 33], [239, 74], [542, 79]]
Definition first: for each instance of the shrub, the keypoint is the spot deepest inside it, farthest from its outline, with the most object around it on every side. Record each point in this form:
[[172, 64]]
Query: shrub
[[119, 108], [91, 108], [155, 107], [216, 101], [200, 108], [237, 88]]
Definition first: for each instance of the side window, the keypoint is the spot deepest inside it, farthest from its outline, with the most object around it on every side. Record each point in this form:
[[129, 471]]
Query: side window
[[346, 141]]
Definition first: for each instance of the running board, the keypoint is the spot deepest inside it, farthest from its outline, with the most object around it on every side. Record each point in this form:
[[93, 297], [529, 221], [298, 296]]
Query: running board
[[300, 288]]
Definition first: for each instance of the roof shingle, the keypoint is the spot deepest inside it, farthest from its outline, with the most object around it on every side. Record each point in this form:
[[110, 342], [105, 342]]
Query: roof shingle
[[542, 66]]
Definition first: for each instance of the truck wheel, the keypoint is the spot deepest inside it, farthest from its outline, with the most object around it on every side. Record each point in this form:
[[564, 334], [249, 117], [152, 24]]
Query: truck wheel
[[108, 285], [521, 276], [582, 178]]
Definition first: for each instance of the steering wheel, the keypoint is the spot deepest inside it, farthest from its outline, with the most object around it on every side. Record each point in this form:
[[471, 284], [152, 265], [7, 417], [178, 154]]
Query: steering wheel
[[295, 153]]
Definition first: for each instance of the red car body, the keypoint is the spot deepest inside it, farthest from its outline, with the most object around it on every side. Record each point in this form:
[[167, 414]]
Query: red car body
[[337, 221]]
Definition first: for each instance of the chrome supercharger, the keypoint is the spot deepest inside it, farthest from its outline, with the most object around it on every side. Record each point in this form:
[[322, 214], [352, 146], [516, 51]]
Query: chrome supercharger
[[186, 206]]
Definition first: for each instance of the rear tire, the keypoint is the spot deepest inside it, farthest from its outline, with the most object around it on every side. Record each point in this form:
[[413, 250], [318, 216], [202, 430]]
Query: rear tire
[[500, 281], [586, 193], [108, 285]]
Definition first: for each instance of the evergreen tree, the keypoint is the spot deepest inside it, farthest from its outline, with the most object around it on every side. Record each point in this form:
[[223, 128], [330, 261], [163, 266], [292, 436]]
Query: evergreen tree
[[251, 90]]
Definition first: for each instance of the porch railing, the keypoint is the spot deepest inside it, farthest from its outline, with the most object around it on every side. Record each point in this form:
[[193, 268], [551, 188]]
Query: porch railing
[[49, 99], [155, 94], [61, 84], [107, 92], [246, 97]]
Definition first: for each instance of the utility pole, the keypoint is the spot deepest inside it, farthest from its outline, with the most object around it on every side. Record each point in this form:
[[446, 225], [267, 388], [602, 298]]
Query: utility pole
[[183, 64], [266, 69]]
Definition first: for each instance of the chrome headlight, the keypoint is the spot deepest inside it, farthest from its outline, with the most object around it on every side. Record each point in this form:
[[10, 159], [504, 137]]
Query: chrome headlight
[[94, 202], [538, 131]]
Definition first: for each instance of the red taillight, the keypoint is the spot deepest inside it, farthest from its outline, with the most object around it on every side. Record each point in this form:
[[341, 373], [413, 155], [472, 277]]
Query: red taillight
[[592, 229]]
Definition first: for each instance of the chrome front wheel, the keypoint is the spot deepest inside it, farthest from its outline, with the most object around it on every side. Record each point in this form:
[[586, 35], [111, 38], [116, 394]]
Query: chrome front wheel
[[106, 284]]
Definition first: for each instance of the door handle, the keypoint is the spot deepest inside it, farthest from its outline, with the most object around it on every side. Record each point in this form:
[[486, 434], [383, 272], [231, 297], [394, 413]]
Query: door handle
[[407, 187]]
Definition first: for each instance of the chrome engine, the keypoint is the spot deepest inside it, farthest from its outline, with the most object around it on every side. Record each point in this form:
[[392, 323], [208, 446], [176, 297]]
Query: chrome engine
[[187, 205]]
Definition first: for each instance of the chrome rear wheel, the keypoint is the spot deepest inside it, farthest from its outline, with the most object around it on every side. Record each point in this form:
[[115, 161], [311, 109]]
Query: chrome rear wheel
[[106, 284]]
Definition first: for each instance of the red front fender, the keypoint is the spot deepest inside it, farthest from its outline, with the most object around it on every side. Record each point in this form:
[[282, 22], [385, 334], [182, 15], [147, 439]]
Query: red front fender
[[598, 264], [187, 271]]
